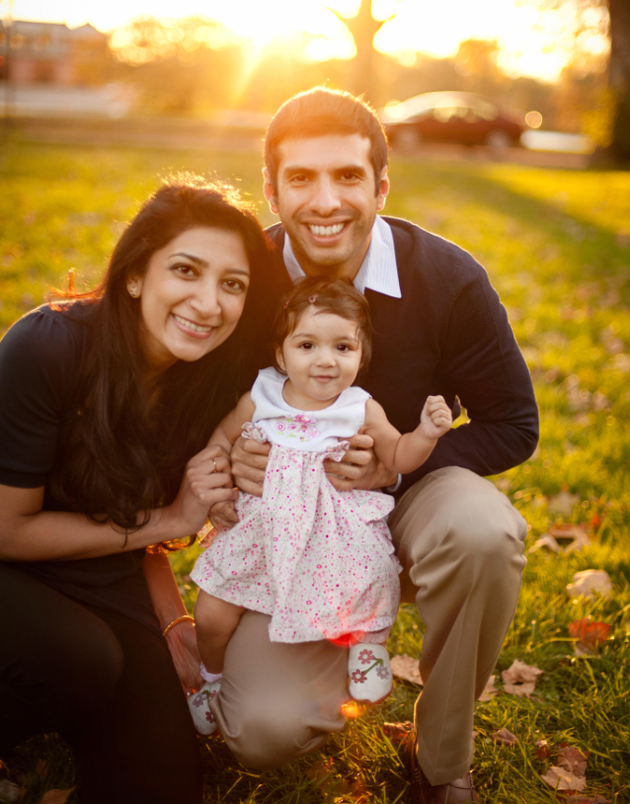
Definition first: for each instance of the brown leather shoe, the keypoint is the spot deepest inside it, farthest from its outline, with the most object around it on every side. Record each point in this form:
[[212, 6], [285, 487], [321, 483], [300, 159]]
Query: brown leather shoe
[[459, 791]]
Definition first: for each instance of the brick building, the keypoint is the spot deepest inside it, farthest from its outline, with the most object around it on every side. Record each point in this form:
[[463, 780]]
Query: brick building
[[48, 52]]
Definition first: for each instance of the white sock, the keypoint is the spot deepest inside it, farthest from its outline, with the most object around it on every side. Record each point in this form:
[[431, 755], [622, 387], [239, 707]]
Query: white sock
[[208, 676]]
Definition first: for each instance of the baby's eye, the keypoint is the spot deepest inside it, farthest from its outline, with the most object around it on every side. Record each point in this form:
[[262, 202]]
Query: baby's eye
[[343, 348], [306, 346]]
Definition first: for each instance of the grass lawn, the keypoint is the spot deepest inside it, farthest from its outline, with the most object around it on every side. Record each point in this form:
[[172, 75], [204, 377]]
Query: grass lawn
[[557, 247]]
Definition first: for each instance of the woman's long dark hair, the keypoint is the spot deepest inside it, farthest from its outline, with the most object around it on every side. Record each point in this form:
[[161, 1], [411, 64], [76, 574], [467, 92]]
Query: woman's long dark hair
[[127, 446]]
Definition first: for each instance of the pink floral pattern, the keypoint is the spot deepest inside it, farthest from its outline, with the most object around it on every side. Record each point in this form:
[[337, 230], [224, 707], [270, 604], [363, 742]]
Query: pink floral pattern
[[298, 426], [319, 561]]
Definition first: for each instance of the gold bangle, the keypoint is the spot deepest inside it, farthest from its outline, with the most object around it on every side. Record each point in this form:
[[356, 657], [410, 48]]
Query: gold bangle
[[177, 620]]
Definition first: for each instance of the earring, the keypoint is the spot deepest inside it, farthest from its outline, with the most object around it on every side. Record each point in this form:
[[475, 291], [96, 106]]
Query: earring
[[133, 291]]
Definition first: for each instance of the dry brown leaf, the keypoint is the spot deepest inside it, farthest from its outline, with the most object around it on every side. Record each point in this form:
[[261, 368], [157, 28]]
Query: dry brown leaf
[[590, 583], [520, 678], [542, 749], [56, 796], [546, 540], [573, 760], [321, 772], [563, 502], [406, 668], [490, 691], [504, 737], [590, 635], [398, 732], [561, 779]]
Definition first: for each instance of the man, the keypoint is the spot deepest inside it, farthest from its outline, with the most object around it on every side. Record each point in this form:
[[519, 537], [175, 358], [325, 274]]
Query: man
[[439, 328]]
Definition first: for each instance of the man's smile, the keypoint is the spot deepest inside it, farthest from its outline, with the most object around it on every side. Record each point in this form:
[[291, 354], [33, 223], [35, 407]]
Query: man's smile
[[326, 231]]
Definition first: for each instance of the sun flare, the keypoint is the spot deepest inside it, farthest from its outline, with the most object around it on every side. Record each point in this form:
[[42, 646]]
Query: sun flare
[[310, 28]]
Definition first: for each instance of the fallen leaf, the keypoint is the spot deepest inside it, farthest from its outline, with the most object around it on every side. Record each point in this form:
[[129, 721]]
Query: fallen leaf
[[504, 737], [398, 732], [56, 796], [520, 678], [542, 749], [321, 774], [490, 691], [590, 583], [561, 779], [576, 535], [590, 635], [406, 668], [546, 540], [563, 502], [573, 760]]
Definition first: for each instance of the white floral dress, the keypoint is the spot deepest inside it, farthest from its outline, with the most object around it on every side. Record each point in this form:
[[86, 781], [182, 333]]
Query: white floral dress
[[319, 561]]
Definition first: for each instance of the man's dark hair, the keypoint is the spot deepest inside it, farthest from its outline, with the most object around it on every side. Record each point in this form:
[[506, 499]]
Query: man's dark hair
[[321, 111]]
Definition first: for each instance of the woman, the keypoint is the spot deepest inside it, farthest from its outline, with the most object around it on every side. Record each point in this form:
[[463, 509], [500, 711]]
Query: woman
[[106, 403]]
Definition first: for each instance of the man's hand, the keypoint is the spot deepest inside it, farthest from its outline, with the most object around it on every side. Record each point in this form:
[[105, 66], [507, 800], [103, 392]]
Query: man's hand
[[360, 468], [249, 461]]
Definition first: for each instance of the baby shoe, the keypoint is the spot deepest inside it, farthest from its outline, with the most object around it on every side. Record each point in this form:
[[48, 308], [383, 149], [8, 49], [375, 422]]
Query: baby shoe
[[199, 704], [369, 672]]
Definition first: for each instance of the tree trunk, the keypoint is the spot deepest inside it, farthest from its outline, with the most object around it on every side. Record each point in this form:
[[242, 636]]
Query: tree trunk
[[363, 28], [619, 76]]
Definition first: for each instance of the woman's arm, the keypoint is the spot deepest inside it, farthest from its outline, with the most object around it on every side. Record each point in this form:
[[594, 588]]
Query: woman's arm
[[168, 605], [404, 453], [29, 534]]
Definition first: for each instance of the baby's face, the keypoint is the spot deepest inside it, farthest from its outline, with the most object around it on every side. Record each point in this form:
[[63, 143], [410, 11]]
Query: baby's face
[[321, 357]]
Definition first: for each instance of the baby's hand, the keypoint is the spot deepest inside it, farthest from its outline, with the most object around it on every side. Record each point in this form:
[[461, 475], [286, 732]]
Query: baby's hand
[[435, 420], [223, 515]]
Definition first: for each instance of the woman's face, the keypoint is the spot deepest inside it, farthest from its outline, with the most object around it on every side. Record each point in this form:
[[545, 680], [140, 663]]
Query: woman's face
[[192, 295]]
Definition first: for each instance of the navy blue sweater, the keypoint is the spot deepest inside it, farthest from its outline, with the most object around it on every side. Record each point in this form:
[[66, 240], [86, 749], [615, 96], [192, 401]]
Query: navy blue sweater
[[448, 335]]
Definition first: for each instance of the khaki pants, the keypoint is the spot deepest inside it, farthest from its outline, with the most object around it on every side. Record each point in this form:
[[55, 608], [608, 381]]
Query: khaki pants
[[461, 545]]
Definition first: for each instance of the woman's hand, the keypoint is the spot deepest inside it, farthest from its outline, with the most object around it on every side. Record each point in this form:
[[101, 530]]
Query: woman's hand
[[182, 643], [360, 468], [223, 515], [207, 480]]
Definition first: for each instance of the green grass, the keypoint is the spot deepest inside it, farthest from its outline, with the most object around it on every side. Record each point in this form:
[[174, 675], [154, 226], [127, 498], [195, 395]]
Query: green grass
[[557, 247]]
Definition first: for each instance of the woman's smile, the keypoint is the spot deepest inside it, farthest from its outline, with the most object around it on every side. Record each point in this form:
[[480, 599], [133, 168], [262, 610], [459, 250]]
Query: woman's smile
[[192, 295]]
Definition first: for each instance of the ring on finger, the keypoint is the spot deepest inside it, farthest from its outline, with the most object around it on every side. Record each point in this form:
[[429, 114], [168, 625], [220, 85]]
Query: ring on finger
[[215, 466]]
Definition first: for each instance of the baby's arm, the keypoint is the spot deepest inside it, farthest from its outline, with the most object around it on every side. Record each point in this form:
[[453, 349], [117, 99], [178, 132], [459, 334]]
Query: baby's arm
[[223, 514], [404, 453]]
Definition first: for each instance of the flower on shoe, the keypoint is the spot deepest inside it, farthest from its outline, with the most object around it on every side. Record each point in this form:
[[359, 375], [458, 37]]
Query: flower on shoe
[[209, 717], [382, 672], [198, 700], [359, 676], [366, 656]]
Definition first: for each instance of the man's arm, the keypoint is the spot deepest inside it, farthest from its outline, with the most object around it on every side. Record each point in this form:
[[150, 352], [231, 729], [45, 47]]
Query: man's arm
[[482, 364]]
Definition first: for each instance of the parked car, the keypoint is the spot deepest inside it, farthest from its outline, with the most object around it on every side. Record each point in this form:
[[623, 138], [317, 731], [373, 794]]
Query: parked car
[[460, 117]]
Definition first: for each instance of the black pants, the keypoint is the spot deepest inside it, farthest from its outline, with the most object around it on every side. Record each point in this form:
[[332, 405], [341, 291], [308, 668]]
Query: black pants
[[106, 684]]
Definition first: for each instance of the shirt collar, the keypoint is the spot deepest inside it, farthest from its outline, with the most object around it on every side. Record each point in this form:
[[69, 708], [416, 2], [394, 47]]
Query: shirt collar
[[378, 271]]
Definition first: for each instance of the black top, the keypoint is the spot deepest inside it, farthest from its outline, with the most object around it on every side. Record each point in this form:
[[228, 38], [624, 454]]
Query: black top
[[40, 360], [448, 335]]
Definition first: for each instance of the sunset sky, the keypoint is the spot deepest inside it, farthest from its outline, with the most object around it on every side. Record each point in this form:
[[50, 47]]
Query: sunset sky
[[528, 46]]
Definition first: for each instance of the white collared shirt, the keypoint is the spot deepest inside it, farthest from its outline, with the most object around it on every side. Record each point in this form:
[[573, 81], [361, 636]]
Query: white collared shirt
[[378, 271]]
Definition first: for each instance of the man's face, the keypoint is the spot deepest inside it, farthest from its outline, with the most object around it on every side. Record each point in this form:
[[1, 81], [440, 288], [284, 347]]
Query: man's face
[[326, 198]]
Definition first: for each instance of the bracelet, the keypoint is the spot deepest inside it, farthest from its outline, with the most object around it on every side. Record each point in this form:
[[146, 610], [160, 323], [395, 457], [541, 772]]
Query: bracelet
[[176, 621]]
